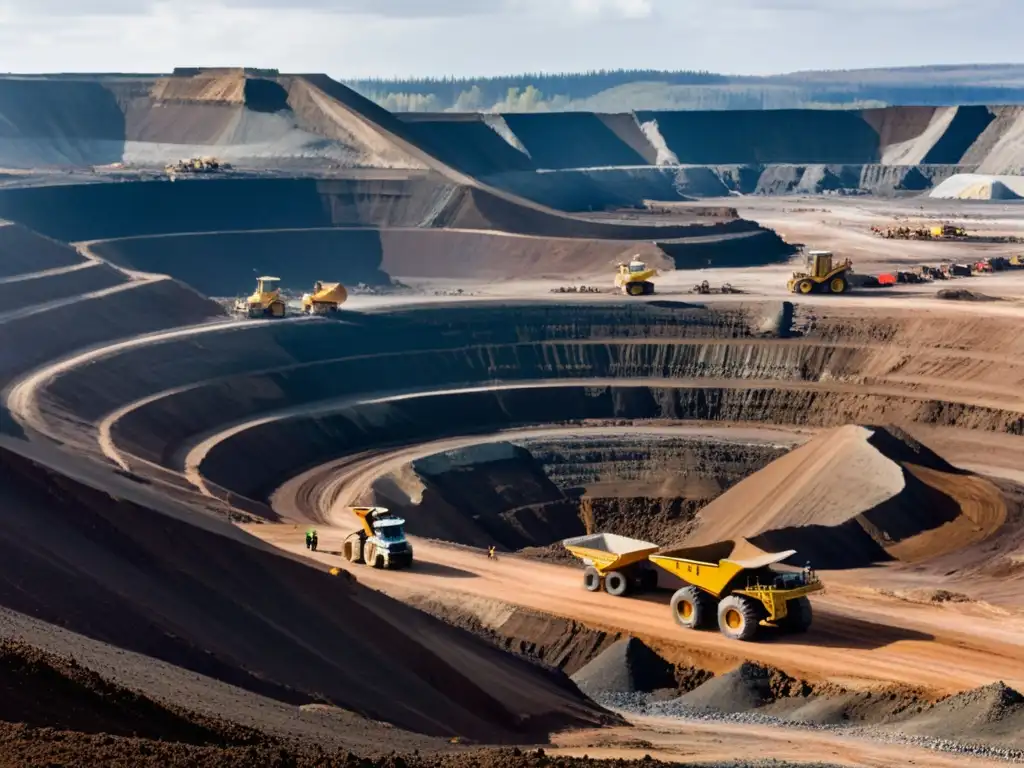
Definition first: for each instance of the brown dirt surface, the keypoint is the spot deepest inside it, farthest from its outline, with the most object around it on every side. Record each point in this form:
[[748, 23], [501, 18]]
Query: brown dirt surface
[[268, 624], [911, 505], [43, 690]]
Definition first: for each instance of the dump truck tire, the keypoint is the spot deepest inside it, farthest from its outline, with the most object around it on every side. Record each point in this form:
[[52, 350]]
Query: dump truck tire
[[591, 579], [648, 289], [798, 616], [635, 289], [837, 285], [691, 608], [616, 584], [805, 287], [352, 549], [737, 618], [373, 559]]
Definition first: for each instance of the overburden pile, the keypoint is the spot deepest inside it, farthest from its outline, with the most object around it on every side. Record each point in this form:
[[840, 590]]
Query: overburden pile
[[909, 505]]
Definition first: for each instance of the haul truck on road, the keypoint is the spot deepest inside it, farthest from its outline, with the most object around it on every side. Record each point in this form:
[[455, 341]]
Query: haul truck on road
[[729, 583], [381, 541]]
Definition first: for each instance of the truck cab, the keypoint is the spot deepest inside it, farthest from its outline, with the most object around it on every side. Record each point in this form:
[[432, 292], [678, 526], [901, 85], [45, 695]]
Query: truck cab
[[382, 542]]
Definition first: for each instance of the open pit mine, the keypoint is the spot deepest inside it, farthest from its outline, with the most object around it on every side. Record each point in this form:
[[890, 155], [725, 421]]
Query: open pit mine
[[322, 523]]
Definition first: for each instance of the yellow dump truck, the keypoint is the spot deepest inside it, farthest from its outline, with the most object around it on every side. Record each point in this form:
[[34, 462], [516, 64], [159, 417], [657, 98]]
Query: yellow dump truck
[[380, 542], [729, 584], [619, 563], [735, 585], [325, 299]]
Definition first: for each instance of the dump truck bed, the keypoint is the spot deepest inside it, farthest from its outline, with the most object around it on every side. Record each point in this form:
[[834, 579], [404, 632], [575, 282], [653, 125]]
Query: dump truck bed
[[713, 567], [609, 551]]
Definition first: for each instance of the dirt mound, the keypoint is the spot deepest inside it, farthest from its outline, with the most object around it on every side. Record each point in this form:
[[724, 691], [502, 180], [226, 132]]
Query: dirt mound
[[911, 504], [962, 294], [747, 687], [827, 707], [628, 666], [993, 714], [237, 613]]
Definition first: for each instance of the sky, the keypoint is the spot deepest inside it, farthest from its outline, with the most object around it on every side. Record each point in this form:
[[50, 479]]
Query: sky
[[352, 39]]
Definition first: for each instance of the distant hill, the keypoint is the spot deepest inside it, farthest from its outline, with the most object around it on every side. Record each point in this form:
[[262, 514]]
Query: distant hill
[[627, 90]]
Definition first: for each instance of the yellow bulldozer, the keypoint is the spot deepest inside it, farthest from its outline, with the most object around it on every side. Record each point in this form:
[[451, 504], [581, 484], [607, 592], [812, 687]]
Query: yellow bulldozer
[[823, 275], [266, 301], [380, 542], [730, 583], [634, 278], [325, 298], [949, 232]]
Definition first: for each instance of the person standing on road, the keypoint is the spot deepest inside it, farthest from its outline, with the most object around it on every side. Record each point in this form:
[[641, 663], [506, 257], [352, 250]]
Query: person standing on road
[[312, 541], [309, 539]]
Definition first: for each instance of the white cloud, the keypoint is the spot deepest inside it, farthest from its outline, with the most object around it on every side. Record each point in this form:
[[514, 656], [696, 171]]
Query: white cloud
[[358, 38]]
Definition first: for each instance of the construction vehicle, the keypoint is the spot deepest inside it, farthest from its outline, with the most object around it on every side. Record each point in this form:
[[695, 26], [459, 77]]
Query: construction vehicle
[[730, 583], [266, 301], [948, 231], [196, 165], [618, 563], [325, 299], [702, 287], [742, 592], [634, 278], [823, 275], [381, 541]]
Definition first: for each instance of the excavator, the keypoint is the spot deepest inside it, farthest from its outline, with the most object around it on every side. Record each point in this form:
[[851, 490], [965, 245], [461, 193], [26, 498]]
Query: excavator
[[634, 279], [823, 275], [381, 542], [266, 301], [325, 299]]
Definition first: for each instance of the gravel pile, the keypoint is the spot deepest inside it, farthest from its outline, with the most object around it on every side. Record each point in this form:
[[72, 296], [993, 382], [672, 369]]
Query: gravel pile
[[627, 666], [644, 704]]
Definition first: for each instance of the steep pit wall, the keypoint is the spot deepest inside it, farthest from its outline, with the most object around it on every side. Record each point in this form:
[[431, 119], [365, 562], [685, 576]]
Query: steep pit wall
[[35, 336], [491, 494], [581, 139], [649, 488], [23, 252], [22, 293], [240, 464], [466, 142], [239, 374]]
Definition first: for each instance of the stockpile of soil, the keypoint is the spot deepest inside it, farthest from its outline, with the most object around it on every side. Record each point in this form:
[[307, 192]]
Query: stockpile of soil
[[749, 686], [993, 714], [240, 614], [628, 666], [962, 294], [910, 504]]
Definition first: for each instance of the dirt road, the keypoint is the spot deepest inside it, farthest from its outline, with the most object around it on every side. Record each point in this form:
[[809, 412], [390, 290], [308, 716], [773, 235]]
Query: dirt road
[[686, 741], [859, 638]]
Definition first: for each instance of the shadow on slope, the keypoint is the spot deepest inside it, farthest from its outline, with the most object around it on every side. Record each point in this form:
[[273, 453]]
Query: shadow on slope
[[156, 584]]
